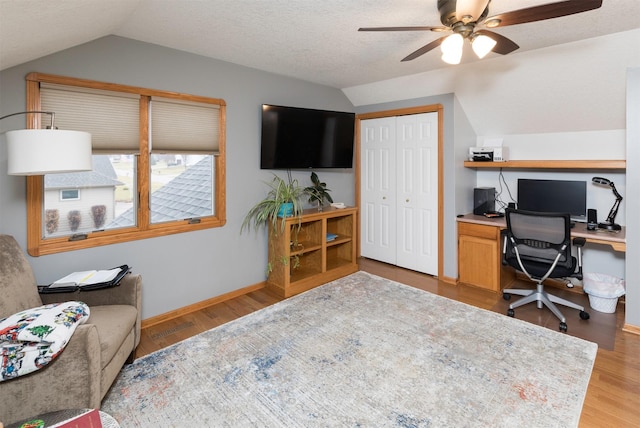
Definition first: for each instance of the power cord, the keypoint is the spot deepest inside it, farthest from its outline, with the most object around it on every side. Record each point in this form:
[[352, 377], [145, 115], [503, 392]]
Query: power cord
[[501, 203]]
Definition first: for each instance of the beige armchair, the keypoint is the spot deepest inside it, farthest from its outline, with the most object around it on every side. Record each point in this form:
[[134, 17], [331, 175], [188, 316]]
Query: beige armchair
[[83, 373]]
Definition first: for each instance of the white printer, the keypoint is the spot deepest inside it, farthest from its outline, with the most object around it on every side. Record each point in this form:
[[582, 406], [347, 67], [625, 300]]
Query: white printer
[[488, 154]]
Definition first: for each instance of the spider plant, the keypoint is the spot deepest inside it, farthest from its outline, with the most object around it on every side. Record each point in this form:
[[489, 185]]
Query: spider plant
[[284, 199]]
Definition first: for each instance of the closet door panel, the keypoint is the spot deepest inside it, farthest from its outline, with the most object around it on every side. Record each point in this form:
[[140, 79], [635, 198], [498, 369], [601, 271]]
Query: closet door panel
[[417, 196], [378, 183]]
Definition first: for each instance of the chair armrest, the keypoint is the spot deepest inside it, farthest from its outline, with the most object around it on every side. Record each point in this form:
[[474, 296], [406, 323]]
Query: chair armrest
[[128, 292], [72, 380], [579, 241], [503, 240]]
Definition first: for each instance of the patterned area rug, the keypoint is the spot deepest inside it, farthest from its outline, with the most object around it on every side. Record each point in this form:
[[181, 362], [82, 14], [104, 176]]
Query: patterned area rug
[[361, 351]]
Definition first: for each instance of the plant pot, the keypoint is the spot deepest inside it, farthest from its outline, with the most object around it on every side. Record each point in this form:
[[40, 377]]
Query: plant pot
[[286, 210]]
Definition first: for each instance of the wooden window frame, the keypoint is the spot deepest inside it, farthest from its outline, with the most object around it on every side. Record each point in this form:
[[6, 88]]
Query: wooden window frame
[[38, 246]]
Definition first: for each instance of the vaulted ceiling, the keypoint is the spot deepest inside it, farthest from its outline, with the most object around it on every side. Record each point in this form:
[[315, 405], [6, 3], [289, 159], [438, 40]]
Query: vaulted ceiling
[[311, 40]]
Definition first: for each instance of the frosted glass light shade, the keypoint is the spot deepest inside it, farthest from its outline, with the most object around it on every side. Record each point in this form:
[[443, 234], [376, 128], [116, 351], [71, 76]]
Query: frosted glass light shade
[[47, 151], [452, 49], [482, 45]]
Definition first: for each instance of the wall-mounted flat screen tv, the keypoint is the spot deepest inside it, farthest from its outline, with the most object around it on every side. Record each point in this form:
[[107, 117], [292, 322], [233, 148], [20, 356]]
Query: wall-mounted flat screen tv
[[300, 138]]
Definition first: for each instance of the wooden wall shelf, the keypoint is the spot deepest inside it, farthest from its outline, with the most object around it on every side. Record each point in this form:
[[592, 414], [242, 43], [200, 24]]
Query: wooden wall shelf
[[551, 164]]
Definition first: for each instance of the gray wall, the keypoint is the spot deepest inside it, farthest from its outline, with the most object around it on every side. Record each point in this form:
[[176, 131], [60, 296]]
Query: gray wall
[[181, 269]]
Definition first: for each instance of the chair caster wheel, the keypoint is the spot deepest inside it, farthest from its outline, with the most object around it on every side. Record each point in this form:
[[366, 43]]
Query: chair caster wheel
[[563, 327], [511, 313], [584, 315], [506, 296]]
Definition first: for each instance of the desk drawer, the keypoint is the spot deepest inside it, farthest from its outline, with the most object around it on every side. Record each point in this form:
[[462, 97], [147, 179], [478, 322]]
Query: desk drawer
[[478, 230]]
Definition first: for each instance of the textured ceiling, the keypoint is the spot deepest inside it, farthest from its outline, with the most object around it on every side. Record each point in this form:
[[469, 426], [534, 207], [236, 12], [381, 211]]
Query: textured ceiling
[[313, 40]]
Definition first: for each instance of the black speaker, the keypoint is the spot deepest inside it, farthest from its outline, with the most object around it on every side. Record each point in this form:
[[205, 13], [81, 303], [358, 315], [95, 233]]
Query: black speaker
[[592, 219], [484, 200]]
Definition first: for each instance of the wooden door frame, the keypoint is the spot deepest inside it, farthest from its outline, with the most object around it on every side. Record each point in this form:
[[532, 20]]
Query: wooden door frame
[[434, 108]]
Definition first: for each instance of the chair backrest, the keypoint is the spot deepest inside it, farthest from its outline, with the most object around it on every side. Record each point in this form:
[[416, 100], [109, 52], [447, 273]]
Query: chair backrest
[[539, 236], [18, 287]]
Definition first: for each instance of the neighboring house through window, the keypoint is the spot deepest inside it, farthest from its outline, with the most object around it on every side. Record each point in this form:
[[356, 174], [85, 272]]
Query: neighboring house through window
[[158, 165]]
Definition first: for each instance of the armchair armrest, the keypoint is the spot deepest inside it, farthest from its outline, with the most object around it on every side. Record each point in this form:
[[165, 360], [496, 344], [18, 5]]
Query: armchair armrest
[[72, 380], [128, 292]]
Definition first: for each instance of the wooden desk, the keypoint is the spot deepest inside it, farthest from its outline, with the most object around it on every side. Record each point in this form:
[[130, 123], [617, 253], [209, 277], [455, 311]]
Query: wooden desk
[[480, 249], [617, 240]]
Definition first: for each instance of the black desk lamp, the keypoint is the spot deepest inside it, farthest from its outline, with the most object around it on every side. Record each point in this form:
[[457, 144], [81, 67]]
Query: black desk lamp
[[610, 224]]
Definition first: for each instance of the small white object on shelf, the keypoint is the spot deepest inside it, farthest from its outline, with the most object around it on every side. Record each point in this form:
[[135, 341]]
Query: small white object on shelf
[[338, 205]]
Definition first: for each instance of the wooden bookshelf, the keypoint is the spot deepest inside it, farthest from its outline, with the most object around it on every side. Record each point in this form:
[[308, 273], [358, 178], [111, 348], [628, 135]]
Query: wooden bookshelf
[[302, 257]]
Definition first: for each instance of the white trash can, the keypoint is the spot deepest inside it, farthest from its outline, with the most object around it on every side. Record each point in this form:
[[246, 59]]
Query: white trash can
[[604, 291]]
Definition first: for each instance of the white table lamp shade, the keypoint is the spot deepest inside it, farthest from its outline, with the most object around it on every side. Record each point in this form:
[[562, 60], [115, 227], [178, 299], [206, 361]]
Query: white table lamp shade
[[46, 151]]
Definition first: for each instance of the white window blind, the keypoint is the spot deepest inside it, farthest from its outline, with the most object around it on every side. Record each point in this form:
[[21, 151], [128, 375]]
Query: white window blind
[[112, 118], [184, 127]]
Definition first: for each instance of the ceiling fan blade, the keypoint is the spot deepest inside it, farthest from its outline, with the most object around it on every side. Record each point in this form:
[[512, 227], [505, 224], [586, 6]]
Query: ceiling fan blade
[[503, 45], [470, 8], [423, 50], [403, 29], [540, 13]]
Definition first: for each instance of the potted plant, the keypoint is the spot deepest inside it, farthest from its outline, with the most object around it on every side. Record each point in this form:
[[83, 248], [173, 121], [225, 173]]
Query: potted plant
[[318, 192], [283, 200]]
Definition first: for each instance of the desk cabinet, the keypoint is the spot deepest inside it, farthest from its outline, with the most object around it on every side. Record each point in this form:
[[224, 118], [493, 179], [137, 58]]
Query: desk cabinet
[[479, 257]]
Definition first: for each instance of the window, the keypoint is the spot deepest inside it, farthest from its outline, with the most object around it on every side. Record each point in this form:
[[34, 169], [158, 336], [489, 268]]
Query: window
[[69, 195], [158, 165]]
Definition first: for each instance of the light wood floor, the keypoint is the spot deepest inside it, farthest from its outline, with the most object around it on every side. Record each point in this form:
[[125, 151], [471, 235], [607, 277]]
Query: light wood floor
[[613, 397]]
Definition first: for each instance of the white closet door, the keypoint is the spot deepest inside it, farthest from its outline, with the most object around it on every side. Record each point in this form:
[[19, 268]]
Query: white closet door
[[377, 189], [399, 191], [417, 192]]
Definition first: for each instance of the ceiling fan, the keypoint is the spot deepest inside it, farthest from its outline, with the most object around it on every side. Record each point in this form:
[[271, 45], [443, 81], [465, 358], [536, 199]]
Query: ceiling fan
[[468, 19]]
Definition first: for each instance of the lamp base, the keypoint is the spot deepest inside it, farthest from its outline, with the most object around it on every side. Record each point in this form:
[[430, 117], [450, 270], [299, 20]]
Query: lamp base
[[609, 226]]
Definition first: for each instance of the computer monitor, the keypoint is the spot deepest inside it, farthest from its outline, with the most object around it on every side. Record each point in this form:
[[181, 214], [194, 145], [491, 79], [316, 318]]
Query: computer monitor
[[558, 196]]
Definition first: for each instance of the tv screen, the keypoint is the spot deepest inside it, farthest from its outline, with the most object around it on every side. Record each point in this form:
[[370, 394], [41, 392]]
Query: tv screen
[[300, 138], [558, 196]]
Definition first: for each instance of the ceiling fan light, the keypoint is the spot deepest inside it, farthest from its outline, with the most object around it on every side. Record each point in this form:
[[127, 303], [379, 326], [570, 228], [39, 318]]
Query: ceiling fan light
[[482, 45], [452, 58], [452, 49]]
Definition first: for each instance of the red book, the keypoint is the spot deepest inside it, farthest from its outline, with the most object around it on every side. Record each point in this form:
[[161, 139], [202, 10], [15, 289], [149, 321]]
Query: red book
[[88, 419]]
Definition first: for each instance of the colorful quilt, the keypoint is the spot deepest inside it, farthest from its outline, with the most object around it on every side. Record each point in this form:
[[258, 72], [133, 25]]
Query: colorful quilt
[[31, 339]]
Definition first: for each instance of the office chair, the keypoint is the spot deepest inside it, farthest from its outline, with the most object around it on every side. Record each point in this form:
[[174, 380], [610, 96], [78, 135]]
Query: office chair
[[539, 245]]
